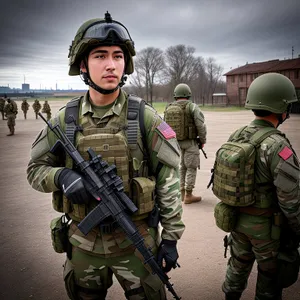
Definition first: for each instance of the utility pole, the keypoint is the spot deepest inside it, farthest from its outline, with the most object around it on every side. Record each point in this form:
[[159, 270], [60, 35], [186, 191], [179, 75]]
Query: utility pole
[[292, 52]]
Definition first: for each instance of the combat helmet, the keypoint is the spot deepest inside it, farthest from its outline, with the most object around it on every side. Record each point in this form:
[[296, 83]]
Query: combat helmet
[[97, 32], [272, 92], [182, 90]]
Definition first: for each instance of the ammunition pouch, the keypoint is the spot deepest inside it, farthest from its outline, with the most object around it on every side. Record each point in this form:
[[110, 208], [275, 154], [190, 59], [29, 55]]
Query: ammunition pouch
[[59, 234], [225, 216]]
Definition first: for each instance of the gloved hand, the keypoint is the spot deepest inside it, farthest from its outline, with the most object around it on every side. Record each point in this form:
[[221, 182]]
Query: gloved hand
[[167, 251], [73, 186]]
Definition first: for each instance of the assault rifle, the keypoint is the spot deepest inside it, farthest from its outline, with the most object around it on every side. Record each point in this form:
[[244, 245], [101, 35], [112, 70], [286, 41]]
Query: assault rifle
[[107, 188], [200, 146]]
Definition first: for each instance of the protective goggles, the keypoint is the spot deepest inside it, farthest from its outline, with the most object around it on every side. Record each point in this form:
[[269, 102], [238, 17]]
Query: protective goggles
[[101, 31]]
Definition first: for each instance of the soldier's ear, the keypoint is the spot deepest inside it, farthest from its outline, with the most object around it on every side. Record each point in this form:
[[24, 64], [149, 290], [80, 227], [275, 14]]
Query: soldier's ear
[[82, 67]]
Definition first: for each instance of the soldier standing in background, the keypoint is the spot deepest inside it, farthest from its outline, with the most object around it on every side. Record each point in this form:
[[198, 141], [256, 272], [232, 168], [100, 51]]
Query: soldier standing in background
[[2, 104], [36, 107], [267, 231], [11, 111], [25, 107], [47, 110], [101, 53], [187, 120]]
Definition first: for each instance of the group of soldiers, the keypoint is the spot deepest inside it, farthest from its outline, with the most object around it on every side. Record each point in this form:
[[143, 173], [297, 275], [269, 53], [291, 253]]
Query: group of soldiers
[[9, 111]]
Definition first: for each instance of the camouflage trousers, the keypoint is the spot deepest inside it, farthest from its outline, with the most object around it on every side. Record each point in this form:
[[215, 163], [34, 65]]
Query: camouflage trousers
[[245, 249], [11, 120], [48, 116], [88, 276], [189, 162]]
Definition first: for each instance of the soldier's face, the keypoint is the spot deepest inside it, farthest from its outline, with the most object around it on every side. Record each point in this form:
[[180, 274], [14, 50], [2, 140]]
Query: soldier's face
[[106, 66]]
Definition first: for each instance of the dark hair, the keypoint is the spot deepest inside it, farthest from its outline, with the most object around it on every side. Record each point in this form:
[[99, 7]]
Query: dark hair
[[261, 113]]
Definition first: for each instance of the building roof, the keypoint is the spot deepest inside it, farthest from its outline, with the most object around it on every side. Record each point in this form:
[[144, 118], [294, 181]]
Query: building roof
[[267, 66]]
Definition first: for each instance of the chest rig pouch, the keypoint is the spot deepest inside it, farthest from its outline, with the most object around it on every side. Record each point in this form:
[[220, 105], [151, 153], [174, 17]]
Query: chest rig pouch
[[119, 142]]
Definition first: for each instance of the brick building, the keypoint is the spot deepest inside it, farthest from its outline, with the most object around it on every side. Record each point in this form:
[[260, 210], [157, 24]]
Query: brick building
[[238, 80]]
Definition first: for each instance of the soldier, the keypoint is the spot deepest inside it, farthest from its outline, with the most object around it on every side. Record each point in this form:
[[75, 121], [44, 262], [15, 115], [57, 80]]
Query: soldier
[[11, 111], [25, 107], [2, 104], [36, 107], [187, 121], [101, 53], [46, 109], [263, 229]]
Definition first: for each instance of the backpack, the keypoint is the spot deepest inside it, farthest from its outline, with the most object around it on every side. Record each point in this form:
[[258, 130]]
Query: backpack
[[175, 116], [234, 169]]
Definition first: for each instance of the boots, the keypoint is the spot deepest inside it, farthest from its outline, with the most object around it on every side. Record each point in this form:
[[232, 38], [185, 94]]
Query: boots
[[12, 131], [190, 198], [182, 194], [233, 296]]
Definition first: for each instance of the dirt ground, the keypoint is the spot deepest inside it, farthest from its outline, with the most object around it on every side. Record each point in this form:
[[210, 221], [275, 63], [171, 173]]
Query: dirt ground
[[30, 269]]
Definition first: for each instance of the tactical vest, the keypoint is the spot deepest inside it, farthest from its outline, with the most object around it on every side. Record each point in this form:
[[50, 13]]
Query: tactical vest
[[119, 142], [177, 115], [234, 170]]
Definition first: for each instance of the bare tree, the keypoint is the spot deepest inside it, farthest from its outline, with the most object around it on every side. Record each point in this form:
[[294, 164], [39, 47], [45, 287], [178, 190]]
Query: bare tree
[[180, 63], [148, 64], [214, 73]]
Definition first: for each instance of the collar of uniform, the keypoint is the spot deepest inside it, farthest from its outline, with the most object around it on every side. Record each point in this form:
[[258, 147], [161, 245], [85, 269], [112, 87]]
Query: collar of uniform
[[116, 109], [261, 123]]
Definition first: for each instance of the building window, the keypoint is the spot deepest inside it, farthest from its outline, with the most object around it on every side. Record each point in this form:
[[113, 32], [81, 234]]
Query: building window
[[232, 79], [241, 78], [255, 75], [297, 74]]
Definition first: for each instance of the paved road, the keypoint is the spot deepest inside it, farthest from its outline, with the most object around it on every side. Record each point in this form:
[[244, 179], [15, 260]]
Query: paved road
[[30, 269]]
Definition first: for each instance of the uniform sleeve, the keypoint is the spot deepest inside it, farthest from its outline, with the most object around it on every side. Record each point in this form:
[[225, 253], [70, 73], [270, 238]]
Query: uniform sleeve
[[286, 174], [164, 161], [44, 165], [199, 122]]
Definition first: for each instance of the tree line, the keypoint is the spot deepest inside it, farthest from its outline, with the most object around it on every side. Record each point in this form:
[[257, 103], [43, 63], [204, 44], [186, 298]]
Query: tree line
[[157, 72]]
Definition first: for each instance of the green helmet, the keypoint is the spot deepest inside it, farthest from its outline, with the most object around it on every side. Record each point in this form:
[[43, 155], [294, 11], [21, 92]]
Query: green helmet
[[182, 90], [97, 32], [272, 92]]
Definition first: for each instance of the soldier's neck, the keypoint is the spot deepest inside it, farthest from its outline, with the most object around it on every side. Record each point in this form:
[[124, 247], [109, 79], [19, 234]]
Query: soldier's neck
[[101, 99]]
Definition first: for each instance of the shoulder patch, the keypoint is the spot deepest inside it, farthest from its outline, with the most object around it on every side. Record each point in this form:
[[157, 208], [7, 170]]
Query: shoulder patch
[[166, 130], [285, 153]]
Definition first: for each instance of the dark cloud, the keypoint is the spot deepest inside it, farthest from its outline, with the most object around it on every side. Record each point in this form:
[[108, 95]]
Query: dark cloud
[[35, 35]]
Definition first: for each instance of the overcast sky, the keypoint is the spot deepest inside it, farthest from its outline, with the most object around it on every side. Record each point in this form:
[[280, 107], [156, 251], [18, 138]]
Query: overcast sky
[[35, 35]]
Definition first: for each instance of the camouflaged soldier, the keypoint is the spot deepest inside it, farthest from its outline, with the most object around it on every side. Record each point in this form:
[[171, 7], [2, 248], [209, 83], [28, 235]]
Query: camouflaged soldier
[[102, 54], [47, 109], [25, 107], [11, 111], [36, 107], [187, 120], [2, 104], [262, 229]]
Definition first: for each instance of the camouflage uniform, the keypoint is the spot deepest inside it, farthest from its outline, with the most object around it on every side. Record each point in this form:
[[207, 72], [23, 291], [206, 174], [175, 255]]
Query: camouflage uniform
[[257, 233], [98, 255], [2, 104], [46, 109], [25, 107], [11, 111], [36, 107]]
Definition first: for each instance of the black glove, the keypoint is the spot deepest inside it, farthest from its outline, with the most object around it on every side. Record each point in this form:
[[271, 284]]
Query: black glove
[[167, 250], [73, 186]]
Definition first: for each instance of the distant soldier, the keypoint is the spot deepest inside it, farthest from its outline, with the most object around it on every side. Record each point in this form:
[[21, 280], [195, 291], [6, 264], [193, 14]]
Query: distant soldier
[[47, 110], [25, 107], [2, 104], [11, 111], [36, 107]]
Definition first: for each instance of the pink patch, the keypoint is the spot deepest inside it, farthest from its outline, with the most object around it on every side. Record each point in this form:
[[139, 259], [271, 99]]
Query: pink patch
[[285, 153], [166, 130]]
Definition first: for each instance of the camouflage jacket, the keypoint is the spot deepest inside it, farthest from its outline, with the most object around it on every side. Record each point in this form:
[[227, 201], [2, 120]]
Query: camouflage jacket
[[2, 104], [36, 106], [277, 176], [24, 106], [43, 167], [11, 109]]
